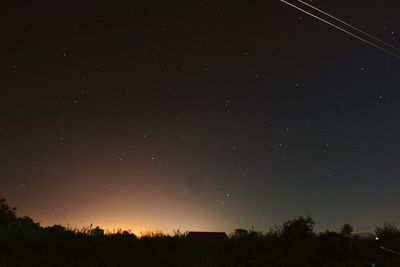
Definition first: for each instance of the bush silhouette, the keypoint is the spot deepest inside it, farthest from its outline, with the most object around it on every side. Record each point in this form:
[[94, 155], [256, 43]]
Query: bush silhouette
[[25, 243], [240, 233], [389, 236], [98, 232]]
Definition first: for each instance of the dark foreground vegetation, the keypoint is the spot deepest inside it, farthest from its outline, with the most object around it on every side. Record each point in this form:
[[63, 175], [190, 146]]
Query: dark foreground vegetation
[[25, 243]]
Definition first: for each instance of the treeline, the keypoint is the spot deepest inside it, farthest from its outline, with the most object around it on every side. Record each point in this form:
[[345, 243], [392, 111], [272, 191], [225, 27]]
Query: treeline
[[295, 243]]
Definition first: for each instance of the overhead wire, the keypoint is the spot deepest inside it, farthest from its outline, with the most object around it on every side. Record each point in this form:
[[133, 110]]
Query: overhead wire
[[349, 25], [344, 30]]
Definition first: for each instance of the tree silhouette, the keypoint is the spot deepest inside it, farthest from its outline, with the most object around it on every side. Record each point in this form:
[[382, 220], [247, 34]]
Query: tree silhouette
[[298, 229], [7, 214], [297, 237], [346, 230], [25, 243]]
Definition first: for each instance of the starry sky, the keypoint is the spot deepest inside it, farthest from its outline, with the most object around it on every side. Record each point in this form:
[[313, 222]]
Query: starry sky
[[199, 115]]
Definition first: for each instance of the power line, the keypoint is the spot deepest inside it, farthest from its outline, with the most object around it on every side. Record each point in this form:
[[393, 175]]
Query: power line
[[343, 30]]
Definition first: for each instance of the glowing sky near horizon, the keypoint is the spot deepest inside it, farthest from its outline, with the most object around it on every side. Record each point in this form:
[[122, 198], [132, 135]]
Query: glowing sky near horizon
[[201, 115]]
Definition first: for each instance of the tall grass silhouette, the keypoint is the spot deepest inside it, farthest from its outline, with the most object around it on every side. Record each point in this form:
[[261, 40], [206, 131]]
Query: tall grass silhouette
[[24, 242]]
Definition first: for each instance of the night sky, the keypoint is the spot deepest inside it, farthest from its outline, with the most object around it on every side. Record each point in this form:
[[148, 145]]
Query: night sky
[[199, 115]]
